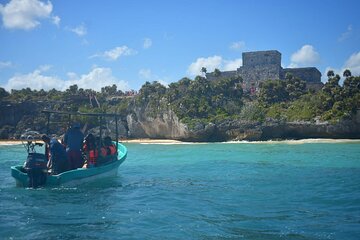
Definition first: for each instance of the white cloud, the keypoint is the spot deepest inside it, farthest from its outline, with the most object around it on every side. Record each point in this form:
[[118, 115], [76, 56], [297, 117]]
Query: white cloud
[[56, 20], [145, 73], [98, 78], [162, 82], [231, 65], [211, 63], [353, 64], [6, 64], [34, 80], [115, 53], [24, 14], [345, 35], [147, 43], [95, 79], [306, 56], [79, 30], [44, 68], [72, 75], [237, 45], [293, 65]]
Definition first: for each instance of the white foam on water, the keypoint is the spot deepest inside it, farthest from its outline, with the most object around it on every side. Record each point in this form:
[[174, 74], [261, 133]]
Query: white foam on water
[[300, 141]]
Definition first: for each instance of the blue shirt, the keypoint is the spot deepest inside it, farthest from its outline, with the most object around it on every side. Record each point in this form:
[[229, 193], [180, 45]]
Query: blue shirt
[[73, 139], [57, 150]]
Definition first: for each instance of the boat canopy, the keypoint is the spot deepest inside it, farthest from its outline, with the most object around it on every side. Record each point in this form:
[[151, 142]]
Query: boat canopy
[[99, 115]]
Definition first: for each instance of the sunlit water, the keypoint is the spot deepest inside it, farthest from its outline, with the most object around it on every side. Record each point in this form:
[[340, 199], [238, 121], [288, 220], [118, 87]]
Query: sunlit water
[[197, 191]]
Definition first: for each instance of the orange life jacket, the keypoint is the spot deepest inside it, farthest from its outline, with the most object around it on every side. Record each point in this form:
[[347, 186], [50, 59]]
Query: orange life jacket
[[108, 150], [93, 155]]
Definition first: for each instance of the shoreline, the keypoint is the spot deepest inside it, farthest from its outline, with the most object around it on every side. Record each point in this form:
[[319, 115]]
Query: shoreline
[[151, 141], [171, 141]]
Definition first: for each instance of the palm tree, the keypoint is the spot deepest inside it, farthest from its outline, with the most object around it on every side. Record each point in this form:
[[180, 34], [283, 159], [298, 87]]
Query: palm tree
[[330, 74], [203, 70], [347, 73]]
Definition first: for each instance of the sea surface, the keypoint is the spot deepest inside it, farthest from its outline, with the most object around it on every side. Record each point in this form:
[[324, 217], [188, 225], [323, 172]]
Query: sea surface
[[264, 190]]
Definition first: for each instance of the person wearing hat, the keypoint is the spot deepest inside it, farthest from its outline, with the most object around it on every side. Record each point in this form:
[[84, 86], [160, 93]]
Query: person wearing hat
[[73, 141]]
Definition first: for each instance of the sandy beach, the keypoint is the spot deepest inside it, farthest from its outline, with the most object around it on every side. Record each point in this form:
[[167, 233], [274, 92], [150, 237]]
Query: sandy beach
[[145, 141], [151, 141], [170, 141], [10, 142]]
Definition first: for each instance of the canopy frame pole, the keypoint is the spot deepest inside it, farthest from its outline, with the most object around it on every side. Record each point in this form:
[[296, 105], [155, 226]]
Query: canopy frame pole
[[48, 124], [100, 133], [116, 133]]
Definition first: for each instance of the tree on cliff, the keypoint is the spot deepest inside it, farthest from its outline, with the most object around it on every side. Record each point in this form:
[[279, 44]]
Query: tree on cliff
[[73, 89], [295, 87], [203, 71], [339, 102], [330, 74], [204, 99], [3, 93], [150, 95], [111, 90], [347, 73], [272, 91], [177, 89]]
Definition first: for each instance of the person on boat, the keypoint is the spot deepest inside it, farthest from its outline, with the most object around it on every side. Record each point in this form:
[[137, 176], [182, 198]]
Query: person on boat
[[90, 151], [108, 151], [56, 154], [73, 140], [109, 148]]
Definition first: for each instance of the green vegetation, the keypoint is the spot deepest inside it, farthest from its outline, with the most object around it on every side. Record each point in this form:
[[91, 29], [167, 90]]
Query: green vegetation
[[201, 101], [289, 101], [71, 99], [276, 91]]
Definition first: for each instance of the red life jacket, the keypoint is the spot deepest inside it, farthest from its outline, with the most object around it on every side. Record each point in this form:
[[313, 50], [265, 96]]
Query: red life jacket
[[93, 155], [108, 150], [112, 150]]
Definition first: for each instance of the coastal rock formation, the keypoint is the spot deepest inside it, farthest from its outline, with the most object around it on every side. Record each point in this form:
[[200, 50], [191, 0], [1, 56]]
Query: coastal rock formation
[[300, 130], [168, 126], [16, 117], [143, 122]]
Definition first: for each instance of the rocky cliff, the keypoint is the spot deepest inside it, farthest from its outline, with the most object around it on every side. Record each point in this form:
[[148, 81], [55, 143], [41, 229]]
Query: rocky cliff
[[141, 122], [16, 117]]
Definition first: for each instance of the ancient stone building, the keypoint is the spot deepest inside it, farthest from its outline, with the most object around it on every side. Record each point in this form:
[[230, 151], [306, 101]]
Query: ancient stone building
[[263, 65]]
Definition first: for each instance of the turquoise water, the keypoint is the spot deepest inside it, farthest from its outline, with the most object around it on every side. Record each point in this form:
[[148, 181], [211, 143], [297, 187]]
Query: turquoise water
[[197, 191]]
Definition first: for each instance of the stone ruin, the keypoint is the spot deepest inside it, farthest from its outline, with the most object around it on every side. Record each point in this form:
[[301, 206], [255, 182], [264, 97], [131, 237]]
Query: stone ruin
[[264, 65]]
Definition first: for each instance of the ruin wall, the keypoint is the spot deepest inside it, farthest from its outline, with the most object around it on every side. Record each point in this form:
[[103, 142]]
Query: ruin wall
[[251, 59], [310, 74]]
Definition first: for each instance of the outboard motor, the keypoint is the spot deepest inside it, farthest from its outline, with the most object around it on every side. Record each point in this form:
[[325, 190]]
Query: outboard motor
[[35, 166]]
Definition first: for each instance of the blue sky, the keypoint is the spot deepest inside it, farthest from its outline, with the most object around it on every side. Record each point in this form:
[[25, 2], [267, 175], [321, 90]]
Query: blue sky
[[54, 44]]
